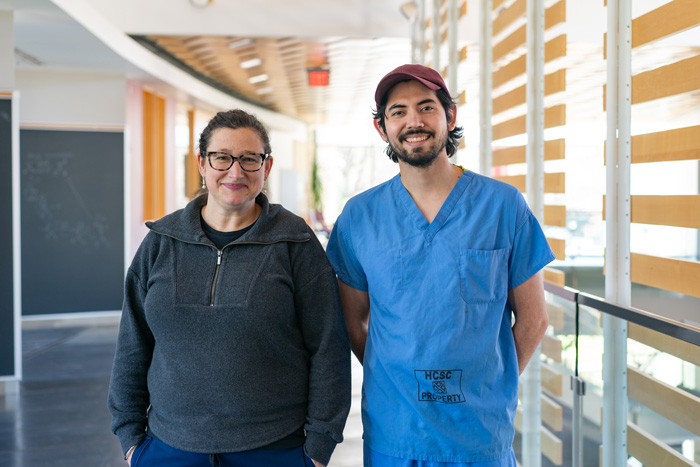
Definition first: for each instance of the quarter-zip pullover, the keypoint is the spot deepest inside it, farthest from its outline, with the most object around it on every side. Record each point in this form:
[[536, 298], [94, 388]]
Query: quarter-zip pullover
[[229, 350]]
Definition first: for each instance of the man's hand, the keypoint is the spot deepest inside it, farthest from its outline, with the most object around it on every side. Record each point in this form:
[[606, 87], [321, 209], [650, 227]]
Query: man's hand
[[356, 311], [530, 309], [317, 464]]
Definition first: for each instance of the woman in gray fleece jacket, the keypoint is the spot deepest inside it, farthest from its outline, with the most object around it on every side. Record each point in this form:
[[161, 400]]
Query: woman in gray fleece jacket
[[232, 348]]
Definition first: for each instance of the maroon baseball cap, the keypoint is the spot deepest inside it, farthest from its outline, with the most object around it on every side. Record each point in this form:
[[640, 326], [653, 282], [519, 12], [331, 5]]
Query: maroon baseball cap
[[428, 77]]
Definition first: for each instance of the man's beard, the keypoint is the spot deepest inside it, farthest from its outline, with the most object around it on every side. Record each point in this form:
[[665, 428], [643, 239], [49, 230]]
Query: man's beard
[[418, 157]]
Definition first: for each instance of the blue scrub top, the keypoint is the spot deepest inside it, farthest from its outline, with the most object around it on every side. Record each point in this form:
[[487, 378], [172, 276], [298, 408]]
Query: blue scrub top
[[440, 368]]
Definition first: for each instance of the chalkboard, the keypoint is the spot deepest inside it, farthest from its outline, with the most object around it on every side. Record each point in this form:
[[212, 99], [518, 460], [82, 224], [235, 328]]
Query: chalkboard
[[7, 317], [72, 219]]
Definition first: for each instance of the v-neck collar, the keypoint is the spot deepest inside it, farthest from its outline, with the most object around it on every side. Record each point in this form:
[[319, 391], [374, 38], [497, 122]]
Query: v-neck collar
[[429, 230]]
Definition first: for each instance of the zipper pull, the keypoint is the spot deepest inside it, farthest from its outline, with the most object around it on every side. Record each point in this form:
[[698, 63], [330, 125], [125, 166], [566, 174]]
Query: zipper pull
[[218, 257]]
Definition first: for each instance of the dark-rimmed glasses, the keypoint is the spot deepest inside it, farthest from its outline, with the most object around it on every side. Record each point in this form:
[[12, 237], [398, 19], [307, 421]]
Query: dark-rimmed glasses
[[249, 162]]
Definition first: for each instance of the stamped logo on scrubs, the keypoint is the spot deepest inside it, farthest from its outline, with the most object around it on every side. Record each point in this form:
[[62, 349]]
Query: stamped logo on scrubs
[[440, 386]]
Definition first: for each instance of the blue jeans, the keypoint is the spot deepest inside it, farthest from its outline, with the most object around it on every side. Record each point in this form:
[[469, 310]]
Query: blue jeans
[[155, 453], [376, 459]]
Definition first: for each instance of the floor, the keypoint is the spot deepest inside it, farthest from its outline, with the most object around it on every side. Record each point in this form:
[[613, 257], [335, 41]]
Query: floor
[[59, 418]]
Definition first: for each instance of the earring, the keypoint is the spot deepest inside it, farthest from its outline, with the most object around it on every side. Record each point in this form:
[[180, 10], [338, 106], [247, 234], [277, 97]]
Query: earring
[[204, 185]]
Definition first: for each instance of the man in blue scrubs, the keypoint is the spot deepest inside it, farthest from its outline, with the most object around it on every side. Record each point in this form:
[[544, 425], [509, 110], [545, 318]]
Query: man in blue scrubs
[[433, 265]]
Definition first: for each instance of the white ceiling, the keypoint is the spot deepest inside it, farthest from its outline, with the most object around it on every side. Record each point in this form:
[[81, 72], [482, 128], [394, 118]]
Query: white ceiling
[[258, 18], [365, 38]]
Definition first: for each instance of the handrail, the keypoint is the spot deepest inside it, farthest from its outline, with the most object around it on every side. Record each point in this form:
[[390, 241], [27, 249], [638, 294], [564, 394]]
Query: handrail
[[672, 328], [565, 292]]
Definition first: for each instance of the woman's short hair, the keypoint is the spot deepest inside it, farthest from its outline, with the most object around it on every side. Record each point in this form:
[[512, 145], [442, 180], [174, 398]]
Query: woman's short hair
[[234, 119]]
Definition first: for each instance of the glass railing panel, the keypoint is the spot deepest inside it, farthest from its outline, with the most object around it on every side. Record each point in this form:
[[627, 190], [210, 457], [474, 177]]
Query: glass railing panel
[[663, 395], [558, 362], [590, 369], [663, 383]]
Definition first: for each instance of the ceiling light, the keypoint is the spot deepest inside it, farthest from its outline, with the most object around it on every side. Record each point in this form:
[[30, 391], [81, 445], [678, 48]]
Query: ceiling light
[[201, 3], [251, 63], [258, 79], [266, 90], [240, 43]]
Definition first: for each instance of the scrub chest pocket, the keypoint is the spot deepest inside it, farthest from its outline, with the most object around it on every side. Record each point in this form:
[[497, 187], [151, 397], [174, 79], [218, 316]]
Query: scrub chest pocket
[[483, 275]]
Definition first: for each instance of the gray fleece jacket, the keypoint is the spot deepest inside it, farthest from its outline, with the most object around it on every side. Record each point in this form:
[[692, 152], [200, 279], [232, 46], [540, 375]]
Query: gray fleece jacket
[[231, 350]]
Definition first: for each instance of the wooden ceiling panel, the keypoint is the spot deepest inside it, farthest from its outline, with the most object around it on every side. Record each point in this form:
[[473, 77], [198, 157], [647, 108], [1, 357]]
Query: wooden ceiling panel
[[286, 62]]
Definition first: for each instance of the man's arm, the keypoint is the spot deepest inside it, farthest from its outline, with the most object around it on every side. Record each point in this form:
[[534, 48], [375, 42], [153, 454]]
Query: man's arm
[[531, 321], [356, 310]]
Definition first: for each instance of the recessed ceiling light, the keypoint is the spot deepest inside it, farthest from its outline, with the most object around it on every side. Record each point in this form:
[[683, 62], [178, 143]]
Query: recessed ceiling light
[[266, 90], [251, 63], [201, 3], [240, 43], [258, 79]]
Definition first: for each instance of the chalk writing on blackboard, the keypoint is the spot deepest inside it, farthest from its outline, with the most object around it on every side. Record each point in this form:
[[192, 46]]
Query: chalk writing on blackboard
[[47, 188]]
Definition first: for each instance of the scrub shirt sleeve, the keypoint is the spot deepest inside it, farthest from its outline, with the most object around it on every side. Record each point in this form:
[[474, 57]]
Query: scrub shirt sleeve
[[341, 253], [531, 251]]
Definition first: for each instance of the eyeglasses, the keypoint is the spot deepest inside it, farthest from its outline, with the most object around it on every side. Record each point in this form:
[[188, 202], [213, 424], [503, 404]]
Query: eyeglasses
[[249, 162]]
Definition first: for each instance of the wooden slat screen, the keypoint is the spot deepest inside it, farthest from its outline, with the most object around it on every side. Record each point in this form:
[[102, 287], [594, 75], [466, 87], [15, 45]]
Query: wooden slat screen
[[670, 80], [551, 348], [555, 116], [512, 127], [554, 276], [552, 447], [676, 275], [509, 16], [509, 100], [509, 44], [671, 210], [553, 83], [552, 380], [507, 156], [553, 150], [681, 77], [555, 48], [664, 343], [555, 182], [518, 181], [669, 19], [681, 407], [507, 22], [555, 14], [552, 413], [649, 450], [555, 216], [510, 71], [671, 145], [555, 313], [558, 247], [496, 4]]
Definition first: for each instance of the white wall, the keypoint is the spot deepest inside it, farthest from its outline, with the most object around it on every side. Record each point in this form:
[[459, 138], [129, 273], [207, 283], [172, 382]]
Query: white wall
[[286, 181], [70, 98], [7, 51]]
